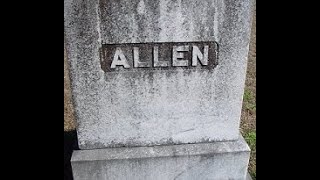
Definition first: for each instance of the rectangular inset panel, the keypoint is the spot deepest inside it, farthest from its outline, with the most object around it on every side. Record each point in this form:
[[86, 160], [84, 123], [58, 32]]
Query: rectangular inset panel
[[153, 56]]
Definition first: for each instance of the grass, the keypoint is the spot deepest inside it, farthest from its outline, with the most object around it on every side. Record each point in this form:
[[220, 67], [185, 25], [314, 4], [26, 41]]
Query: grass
[[249, 100], [250, 137], [248, 116], [251, 140], [248, 127]]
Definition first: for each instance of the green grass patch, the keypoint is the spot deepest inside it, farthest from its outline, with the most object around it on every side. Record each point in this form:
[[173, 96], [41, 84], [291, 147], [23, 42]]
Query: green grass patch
[[250, 138], [247, 96], [249, 101]]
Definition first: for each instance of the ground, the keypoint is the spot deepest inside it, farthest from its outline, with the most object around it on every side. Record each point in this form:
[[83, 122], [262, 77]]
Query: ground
[[248, 117], [69, 124]]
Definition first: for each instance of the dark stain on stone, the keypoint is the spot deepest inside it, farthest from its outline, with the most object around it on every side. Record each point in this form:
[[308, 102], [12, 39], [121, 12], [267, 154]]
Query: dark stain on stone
[[102, 63]]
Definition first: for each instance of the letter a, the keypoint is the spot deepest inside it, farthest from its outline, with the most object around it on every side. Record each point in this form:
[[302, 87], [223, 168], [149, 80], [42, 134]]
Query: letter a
[[119, 59]]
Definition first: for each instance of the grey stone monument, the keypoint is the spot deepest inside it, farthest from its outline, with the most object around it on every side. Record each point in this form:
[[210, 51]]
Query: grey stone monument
[[157, 87]]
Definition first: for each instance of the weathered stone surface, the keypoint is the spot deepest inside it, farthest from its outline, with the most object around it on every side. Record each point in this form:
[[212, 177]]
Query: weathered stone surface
[[156, 107], [216, 161]]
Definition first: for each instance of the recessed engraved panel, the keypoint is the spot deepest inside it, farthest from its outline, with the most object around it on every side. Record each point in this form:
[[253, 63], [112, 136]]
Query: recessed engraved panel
[[153, 56]]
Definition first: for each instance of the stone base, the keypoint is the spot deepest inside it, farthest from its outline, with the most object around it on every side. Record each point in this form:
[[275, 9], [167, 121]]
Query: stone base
[[219, 161]]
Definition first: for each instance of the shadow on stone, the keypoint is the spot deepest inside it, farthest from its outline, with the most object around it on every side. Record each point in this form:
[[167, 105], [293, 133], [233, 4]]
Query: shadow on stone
[[70, 144]]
